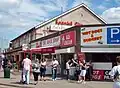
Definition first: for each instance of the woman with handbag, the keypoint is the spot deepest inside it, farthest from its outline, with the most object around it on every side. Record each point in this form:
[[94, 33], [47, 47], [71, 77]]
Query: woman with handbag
[[36, 71]]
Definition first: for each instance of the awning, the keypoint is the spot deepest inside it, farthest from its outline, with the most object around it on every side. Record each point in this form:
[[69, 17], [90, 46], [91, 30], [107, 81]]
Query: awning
[[42, 50]]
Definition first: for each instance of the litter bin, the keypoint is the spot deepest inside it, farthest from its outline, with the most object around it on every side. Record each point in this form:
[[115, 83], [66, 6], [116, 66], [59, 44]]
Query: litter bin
[[6, 72]]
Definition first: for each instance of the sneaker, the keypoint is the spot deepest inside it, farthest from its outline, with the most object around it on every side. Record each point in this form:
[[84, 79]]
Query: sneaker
[[68, 79], [80, 81], [83, 82], [53, 79]]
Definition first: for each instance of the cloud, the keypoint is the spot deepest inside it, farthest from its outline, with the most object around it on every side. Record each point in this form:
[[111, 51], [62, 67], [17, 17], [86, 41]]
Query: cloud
[[18, 16], [87, 2], [101, 7], [112, 15]]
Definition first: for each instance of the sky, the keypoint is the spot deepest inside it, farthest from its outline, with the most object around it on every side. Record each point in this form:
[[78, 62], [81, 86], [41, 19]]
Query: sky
[[18, 16]]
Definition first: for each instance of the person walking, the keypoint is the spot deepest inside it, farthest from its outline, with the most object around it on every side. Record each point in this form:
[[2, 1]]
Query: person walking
[[26, 70], [36, 71], [115, 73], [54, 68], [42, 69], [68, 64], [83, 72]]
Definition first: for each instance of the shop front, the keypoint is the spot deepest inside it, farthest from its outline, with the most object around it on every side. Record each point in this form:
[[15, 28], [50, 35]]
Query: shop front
[[67, 50], [101, 44]]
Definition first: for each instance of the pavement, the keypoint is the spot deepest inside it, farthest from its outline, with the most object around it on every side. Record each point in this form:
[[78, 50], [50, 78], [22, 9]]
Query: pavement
[[13, 82]]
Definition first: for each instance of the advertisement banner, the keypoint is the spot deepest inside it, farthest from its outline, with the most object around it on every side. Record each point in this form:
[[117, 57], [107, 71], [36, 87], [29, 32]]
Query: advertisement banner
[[68, 39], [55, 41], [98, 75], [106, 75], [93, 36], [100, 36]]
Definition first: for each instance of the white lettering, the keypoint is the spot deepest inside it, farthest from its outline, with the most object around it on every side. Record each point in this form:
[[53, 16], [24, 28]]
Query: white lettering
[[113, 31]]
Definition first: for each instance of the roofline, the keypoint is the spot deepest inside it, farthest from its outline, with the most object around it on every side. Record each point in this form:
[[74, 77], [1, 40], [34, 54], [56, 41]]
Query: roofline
[[64, 13], [100, 18], [74, 8], [23, 34]]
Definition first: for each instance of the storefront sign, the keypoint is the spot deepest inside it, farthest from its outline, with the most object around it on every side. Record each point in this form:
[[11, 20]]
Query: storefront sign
[[44, 50], [113, 35], [93, 36], [68, 39], [98, 75], [51, 42], [106, 75], [70, 23], [60, 27], [48, 50]]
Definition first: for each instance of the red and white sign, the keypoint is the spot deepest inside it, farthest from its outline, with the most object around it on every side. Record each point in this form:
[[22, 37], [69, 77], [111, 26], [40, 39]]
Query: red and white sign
[[68, 23], [44, 50], [51, 42], [68, 39], [98, 75]]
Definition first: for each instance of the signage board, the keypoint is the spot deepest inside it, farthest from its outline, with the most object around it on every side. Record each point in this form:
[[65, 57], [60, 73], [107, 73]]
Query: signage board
[[113, 35], [55, 41], [106, 75], [59, 27], [68, 39], [93, 36], [98, 75]]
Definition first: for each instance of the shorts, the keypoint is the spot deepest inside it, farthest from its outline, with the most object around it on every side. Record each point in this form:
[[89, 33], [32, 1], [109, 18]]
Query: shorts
[[83, 73]]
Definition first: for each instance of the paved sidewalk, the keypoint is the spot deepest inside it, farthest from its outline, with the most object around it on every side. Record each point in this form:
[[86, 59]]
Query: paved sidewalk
[[13, 82]]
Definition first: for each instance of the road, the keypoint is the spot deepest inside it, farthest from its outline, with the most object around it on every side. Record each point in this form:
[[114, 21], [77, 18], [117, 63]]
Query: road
[[13, 82]]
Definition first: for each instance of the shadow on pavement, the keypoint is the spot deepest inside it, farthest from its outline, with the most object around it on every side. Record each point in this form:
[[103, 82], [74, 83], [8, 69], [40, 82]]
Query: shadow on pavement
[[17, 86]]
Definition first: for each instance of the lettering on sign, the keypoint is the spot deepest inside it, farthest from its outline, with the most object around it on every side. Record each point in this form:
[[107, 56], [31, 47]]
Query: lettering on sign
[[91, 35], [70, 23], [64, 22], [106, 75], [55, 41], [68, 39], [98, 75]]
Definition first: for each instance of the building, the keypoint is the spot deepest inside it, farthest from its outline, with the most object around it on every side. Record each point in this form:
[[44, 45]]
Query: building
[[48, 35]]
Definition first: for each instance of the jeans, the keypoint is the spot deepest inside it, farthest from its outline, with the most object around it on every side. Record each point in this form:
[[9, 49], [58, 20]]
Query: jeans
[[26, 76], [42, 72], [68, 73], [54, 73]]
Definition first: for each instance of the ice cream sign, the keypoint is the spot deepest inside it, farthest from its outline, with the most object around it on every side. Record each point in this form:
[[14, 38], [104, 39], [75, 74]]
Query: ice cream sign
[[90, 36]]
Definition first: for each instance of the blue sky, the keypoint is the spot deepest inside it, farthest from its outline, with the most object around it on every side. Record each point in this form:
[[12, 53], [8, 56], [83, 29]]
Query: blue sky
[[18, 16]]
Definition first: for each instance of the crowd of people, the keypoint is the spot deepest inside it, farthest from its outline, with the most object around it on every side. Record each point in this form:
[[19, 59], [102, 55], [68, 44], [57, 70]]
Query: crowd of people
[[38, 67]]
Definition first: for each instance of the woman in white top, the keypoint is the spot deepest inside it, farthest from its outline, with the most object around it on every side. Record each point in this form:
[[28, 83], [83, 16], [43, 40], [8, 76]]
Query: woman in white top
[[115, 74], [54, 68], [42, 69], [68, 64]]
